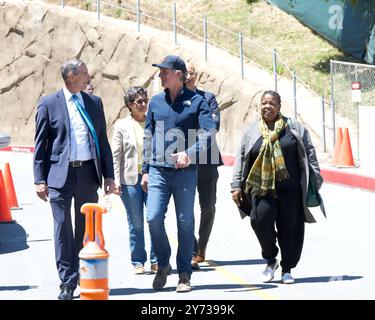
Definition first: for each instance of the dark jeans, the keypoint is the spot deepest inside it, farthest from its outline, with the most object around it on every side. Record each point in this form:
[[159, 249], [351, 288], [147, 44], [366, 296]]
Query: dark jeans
[[207, 180], [164, 183]]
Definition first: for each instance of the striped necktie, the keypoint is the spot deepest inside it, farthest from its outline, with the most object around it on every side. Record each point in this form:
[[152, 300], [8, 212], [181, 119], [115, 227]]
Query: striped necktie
[[87, 120]]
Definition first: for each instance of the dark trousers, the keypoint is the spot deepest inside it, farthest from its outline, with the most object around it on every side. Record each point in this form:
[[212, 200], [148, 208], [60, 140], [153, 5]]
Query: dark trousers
[[82, 185], [206, 184], [286, 211]]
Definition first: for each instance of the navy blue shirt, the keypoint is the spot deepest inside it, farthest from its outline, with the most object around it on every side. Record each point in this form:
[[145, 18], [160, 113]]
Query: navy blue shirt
[[174, 127], [213, 156]]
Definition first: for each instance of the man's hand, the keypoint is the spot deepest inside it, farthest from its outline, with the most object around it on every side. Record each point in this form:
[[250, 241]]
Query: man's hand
[[42, 191], [109, 186], [182, 159], [237, 197], [144, 182], [117, 190]]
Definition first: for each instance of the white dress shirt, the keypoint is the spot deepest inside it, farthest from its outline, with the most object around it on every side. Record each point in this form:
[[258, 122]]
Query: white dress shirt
[[79, 134]]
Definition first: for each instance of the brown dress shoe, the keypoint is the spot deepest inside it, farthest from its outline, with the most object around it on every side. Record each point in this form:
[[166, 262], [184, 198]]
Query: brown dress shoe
[[201, 256], [154, 268]]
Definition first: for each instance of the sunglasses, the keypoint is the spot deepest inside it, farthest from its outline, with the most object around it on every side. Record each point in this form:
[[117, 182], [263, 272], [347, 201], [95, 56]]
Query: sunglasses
[[141, 101]]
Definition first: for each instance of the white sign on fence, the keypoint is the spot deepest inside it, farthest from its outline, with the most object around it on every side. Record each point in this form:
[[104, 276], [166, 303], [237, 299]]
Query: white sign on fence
[[356, 91]]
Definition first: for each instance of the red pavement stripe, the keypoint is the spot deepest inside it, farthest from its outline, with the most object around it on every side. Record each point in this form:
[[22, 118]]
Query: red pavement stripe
[[349, 179], [26, 149], [228, 159], [330, 175]]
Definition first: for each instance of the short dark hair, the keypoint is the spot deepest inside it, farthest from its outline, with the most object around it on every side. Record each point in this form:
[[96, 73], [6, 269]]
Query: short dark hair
[[132, 92], [70, 65], [272, 93]]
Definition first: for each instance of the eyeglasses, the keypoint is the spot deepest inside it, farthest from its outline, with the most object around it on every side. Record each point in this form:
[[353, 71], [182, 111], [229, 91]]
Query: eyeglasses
[[141, 101]]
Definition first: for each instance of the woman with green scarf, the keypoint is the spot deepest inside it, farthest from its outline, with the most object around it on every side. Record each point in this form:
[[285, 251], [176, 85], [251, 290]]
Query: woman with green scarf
[[270, 183]]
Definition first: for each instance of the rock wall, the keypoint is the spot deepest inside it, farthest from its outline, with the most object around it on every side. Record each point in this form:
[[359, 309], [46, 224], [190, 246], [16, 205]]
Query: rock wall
[[36, 37]]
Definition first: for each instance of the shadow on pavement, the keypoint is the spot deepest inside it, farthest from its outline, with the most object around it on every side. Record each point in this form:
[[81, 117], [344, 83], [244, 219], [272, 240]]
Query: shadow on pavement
[[17, 288], [327, 279], [225, 287], [12, 238]]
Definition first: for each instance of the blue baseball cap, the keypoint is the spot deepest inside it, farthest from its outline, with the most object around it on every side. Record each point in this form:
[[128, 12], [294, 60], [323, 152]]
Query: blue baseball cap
[[172, 62]]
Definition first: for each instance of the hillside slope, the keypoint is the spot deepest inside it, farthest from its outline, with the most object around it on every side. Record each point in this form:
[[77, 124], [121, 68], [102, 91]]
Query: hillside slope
[[302, 49]]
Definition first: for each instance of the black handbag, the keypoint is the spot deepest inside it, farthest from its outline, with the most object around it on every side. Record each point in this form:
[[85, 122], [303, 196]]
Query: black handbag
[[313, 197]]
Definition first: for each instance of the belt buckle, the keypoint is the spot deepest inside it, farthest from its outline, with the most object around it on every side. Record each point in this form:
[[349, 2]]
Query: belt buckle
[[76, 164]]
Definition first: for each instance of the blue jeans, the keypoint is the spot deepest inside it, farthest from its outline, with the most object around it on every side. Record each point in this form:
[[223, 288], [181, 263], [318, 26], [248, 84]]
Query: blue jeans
[[134, 198], [162, 184]]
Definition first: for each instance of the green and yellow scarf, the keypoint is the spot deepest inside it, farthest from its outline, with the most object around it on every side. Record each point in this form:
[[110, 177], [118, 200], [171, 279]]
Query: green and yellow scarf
[[270, 164]]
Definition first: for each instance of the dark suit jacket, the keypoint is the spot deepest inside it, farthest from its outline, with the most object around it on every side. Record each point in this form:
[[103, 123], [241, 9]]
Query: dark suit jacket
[[52, 139], [215, 112]]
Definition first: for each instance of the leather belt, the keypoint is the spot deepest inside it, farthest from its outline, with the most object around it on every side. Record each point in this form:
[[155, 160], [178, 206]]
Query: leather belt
[[78, 163]]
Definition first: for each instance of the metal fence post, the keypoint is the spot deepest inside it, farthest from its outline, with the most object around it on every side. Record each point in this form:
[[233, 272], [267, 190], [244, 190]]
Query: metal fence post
[[62, 3], [274, 68], [175, 23], [98, 8], [295, 94], [357, 105], [357, 112], [241, 54], [139, 15], [205, 37], [324, 126], [333, 108]]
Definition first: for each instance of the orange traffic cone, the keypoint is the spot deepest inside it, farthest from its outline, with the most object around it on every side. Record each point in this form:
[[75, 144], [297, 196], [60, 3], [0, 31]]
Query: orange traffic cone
[[9, 188], [93, 258], [346, 154], [5, 215], [336, 155]]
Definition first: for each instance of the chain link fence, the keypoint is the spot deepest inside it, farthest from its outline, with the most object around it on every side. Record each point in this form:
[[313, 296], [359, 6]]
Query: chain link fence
[[343, 74]]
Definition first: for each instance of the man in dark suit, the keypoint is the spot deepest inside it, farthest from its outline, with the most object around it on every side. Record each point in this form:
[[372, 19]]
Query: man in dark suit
[[71, 156], [207, 174]]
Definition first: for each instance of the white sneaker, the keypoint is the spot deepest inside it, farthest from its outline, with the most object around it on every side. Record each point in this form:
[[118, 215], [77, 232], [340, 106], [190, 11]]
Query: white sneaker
[[269, 272], [139, 269], [287, 278]]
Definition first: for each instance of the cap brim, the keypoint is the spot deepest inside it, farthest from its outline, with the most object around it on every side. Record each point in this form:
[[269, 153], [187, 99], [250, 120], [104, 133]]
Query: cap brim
[[160, 65]]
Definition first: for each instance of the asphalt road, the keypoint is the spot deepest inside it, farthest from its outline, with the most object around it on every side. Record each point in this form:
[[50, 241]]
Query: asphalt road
[[337, 261]]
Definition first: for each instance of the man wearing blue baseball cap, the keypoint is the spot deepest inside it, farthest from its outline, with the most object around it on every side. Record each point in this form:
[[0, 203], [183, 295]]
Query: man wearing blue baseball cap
[[172, 62], [172, 141]]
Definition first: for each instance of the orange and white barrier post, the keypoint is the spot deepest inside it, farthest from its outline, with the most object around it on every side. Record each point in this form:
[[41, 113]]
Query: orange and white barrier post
[[93, 263]]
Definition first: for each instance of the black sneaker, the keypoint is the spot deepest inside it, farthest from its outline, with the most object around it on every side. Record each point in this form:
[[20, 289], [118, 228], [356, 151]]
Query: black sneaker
[[161, 277], [66, 293]]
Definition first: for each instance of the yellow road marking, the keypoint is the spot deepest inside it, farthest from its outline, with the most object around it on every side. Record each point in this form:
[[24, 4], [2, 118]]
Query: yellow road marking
[[234, 278]]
